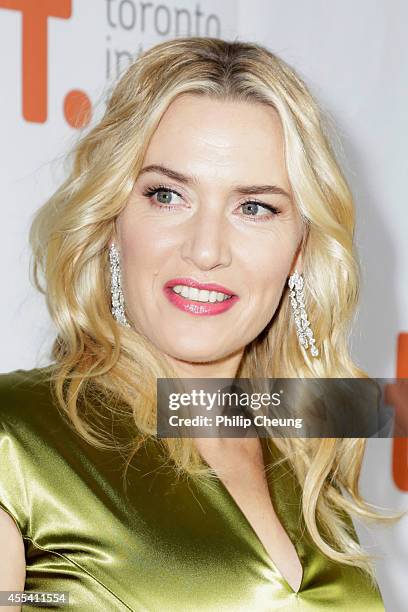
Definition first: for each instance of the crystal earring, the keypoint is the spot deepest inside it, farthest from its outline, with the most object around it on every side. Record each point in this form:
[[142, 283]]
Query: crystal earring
[[297, 300], [118, 302]]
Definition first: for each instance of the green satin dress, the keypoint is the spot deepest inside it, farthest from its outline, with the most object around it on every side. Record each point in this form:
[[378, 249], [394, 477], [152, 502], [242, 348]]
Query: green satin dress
[[165, 545]]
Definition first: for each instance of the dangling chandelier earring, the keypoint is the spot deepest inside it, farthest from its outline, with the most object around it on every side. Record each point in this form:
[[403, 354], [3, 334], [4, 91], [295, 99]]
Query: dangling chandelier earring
[[297, 300], [118, 302]]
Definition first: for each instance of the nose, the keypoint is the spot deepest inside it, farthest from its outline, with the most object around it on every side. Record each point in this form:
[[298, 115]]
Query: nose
[[207, 242]]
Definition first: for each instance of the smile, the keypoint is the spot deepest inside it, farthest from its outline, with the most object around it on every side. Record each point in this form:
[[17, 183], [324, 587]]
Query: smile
[[199, 301], [200, 295]]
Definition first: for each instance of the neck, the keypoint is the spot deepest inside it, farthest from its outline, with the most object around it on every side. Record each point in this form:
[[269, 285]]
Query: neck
[[225, 367]]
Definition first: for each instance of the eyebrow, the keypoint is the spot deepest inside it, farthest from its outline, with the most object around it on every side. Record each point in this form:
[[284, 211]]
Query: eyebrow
[[239, 189]]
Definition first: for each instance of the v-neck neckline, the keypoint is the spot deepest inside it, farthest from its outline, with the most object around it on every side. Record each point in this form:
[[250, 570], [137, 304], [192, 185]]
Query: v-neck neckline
[[266, 453]]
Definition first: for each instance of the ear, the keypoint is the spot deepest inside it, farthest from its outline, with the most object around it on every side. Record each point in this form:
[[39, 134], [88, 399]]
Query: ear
[[297, 263], [114, 234]]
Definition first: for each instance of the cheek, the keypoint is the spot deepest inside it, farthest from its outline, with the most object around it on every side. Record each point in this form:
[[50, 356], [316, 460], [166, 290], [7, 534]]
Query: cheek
[[268, 261], [268, 273], [142, 244], [269, 289]]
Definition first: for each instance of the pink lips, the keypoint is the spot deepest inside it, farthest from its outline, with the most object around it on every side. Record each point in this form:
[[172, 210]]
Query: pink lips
[[195, 307]]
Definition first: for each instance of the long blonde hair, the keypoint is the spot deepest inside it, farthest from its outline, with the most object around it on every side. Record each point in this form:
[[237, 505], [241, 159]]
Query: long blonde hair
[[109, 367]]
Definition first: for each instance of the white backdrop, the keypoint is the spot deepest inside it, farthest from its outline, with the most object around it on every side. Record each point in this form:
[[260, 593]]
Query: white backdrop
[[354, 58]]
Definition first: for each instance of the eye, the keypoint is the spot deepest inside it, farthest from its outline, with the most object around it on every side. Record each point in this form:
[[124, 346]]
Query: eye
[[254, 206], [166, 195], [162, 192]]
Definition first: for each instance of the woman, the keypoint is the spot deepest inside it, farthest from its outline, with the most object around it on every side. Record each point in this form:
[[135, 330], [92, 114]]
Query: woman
[[209, 176]]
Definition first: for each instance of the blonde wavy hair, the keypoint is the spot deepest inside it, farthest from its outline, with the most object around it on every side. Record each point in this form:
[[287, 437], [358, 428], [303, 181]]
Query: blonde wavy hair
[[103, 366]]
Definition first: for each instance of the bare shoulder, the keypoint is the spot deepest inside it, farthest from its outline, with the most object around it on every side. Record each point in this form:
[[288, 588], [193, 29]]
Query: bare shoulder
[[12, 556]]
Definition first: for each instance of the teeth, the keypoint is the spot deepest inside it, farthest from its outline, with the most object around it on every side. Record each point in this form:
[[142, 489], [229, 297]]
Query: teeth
[[200, 295]]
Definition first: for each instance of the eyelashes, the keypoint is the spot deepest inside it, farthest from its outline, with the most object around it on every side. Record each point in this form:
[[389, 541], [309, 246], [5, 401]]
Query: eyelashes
[[151, 191]]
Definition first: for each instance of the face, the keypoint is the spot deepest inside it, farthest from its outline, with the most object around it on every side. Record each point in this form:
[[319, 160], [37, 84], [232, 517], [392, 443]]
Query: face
[[219, 211]]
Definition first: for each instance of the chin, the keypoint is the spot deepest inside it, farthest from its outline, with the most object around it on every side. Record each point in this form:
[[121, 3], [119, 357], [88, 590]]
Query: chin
[[197, 354]]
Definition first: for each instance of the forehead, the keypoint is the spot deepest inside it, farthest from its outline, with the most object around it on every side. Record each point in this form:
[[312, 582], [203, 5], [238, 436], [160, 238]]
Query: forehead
[[219, 138]]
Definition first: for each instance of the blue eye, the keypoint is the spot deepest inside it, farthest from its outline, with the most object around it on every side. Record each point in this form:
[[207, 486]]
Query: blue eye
[[160, 189], [164, 191], [256, 204]]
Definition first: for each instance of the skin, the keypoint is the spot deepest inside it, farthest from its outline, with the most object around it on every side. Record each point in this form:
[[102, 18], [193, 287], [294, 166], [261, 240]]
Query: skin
[[209, 235], [12, 558], [211, 238]]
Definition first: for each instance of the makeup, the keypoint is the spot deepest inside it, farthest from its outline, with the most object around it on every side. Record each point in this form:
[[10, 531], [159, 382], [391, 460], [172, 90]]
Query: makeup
[[199, 298]]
